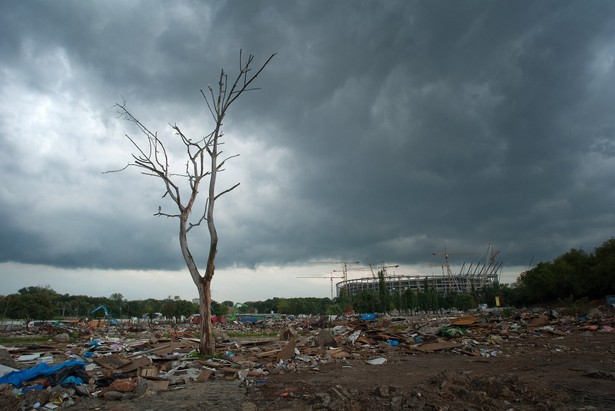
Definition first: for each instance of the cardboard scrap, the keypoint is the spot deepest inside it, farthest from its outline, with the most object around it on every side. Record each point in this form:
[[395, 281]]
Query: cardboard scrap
[[204, 375], [147, 371], [161, 385], [437, 346], [135, 364], [467, 320], [539, 321], [324, 338], [338, 353], [288, 351]]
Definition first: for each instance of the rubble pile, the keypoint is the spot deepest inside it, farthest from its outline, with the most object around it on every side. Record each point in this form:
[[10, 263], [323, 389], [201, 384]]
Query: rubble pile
[[133, 361]]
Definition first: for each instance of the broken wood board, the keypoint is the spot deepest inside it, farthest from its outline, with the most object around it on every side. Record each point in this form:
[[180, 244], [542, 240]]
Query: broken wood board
[[112, 362]]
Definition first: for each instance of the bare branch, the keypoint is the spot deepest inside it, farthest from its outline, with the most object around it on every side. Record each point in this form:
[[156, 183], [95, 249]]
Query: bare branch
[[117, 171], [226, 191], [226, 159], [160, 214], [198, 223], [246, 84]]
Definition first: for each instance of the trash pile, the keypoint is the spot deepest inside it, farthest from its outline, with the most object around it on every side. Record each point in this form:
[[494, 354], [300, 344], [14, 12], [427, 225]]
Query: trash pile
[[128, 362]]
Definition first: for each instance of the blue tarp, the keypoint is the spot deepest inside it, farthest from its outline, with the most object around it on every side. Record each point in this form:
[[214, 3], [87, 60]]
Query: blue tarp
[[368, 317], [43, 369]]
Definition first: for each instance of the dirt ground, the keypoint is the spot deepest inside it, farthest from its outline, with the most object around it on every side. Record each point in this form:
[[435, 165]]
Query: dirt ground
[[574, 372], [539, 373], [534, 370]]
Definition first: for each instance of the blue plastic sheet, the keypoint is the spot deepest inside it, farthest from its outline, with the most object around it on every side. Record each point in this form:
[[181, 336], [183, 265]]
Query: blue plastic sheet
[[43, 369]]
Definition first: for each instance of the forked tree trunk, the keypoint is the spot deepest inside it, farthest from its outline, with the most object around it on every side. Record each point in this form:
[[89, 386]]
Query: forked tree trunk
[[207, 344]]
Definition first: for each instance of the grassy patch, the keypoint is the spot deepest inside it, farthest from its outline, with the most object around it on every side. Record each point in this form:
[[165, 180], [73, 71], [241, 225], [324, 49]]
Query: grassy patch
[[235, 334], [23, 340]]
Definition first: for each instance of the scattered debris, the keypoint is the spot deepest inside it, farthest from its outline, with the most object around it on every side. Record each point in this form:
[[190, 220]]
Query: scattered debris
[[125, 362]]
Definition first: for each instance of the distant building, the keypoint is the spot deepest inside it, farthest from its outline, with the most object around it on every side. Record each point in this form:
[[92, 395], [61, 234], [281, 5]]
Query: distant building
[[474, 278]]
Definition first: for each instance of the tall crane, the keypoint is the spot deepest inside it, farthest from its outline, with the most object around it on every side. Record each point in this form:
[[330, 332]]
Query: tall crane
[[331, 277], [383, 267], [447, 265], [344, 276]]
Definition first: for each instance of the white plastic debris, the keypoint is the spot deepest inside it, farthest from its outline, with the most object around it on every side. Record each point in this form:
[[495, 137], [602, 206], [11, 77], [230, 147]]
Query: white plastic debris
[[376, 361]]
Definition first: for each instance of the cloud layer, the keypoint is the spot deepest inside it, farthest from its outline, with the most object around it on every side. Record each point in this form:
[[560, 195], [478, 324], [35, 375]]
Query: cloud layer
[[387, 131]]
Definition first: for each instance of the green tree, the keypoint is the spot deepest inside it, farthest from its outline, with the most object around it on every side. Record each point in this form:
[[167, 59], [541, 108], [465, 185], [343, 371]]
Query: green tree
[[116, 297], [187, 308], [366, 301], [333, 309], [32, 303], [218, 309], [463, 301], [168, 308], [600, 279], [537, 283], [383, 293], [570, 271], [410, 300]]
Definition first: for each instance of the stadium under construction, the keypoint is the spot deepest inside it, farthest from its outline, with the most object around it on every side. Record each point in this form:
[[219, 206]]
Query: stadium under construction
[[473, 277]]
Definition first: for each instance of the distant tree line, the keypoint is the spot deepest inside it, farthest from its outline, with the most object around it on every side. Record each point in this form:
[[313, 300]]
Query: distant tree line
[[43, 303], [574, 275]]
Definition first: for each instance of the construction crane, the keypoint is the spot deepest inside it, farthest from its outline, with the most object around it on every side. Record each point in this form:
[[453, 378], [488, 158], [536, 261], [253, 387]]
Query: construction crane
[[447, 265], [371, 268], [331, 277], [344, 271], [383, 268]]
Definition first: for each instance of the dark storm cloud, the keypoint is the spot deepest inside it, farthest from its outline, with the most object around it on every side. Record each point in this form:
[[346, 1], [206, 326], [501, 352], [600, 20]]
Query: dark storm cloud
[[388, 130]]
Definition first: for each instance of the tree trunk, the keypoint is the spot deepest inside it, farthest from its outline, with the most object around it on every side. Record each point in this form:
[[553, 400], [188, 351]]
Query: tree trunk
[[207, 344]]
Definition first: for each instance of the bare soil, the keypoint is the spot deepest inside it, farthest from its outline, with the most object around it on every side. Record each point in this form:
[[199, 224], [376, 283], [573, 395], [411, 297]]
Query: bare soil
[[539, 372]]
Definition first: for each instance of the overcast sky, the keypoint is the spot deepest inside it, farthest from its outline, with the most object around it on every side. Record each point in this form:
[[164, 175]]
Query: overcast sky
[[381, 130]]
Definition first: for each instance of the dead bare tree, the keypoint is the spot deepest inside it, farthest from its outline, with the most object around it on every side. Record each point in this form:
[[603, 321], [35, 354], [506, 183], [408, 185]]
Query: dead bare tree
[[152, 157]]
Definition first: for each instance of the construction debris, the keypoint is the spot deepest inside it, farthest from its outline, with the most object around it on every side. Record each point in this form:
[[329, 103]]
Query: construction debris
[[118, 364]]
